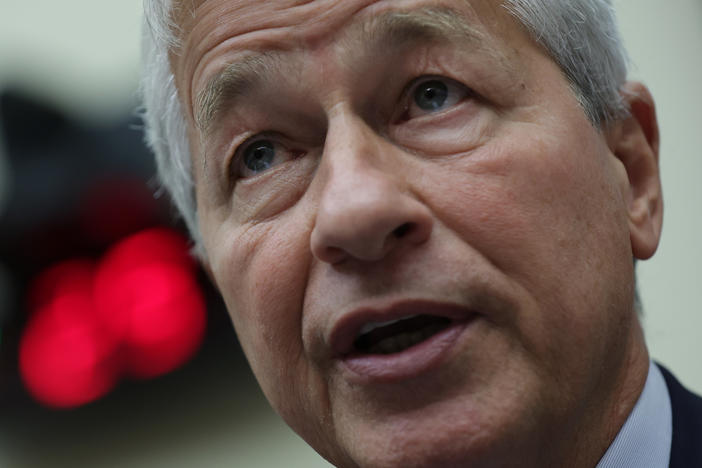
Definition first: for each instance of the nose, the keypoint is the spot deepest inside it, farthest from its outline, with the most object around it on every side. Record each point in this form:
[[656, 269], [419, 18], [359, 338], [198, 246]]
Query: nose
[[366, 207]]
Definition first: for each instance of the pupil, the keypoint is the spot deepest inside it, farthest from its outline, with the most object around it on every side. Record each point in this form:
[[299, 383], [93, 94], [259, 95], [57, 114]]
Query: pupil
[[431, 95], [260, 156]]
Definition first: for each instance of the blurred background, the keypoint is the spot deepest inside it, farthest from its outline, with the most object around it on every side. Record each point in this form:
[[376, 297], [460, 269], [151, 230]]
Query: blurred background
[[79, 210]]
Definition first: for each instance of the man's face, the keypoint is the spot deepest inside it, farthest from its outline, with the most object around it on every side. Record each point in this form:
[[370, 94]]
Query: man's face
[[423, 243]]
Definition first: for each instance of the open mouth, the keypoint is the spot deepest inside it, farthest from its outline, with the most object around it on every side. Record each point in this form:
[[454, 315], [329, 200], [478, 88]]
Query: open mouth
[[396, 336], [400, 341]]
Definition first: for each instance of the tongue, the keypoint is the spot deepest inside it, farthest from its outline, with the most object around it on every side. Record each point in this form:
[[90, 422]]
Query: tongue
[[400, 335]]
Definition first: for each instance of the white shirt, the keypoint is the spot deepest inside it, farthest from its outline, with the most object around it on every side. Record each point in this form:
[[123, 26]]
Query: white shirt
[[644, 439]]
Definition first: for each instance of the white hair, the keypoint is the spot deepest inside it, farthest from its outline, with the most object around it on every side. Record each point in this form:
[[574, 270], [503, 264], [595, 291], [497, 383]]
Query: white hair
[[583, 39], [580, 35], [165, 128]]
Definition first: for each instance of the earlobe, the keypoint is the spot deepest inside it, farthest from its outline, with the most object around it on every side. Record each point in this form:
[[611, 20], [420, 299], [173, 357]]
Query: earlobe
[[634, 140]]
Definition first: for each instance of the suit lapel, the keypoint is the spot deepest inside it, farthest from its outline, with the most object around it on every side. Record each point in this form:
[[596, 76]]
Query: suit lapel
[[686, 448]]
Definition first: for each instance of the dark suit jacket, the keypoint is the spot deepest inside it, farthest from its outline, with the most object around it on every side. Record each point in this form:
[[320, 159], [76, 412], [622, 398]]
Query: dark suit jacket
[[686, 448]]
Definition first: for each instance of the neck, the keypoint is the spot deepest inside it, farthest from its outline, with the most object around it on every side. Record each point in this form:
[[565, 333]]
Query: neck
[[623, 384]]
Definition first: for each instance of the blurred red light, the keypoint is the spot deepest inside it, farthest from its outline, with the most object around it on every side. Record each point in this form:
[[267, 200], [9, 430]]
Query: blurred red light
[[146, 294], [139, 312], [166, 315], [150, 245], [65, 354]]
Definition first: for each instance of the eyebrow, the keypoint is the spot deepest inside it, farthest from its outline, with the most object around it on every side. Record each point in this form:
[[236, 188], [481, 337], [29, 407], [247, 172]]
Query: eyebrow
[[235, 80], [387, 31]]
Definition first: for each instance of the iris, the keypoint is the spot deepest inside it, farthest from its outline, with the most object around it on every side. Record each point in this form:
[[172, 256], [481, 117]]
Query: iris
[[259, 156], [431, 95]]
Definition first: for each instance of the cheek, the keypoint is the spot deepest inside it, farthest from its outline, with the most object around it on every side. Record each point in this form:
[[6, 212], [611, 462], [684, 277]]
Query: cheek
[[263, 283], [261, 271], [544, 211], [547, 214], [528, 199]]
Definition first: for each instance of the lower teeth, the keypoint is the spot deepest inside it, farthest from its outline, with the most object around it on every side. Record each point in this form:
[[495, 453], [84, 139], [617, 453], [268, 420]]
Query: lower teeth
[[402, 341]]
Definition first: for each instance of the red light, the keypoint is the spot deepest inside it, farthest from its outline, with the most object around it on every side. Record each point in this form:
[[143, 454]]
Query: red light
[[166, 318], [65, 354], [151, 245], [146, 295], [140, 312]]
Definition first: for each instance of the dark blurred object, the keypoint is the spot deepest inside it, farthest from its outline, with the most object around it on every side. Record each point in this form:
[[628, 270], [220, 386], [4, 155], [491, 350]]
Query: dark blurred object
[[76, 191], [73, 191], [139, 312]]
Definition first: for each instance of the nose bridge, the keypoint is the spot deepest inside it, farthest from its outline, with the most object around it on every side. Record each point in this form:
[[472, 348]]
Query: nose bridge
[[353, 158], [366, 207]]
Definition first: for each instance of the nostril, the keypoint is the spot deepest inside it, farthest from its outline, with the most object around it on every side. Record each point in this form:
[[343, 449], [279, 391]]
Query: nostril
[[402, 230], [333, 255]]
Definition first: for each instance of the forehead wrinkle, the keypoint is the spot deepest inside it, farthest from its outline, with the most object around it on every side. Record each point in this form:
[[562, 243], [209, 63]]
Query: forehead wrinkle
[[391, 30], [396, 27]]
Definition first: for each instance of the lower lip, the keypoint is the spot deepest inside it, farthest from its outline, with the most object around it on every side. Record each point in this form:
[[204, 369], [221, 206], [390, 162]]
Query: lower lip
[[412, 362]]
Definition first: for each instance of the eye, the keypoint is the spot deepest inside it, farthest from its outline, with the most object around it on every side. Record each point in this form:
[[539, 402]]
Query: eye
[[431, 95], [428, 95], [258, 155]]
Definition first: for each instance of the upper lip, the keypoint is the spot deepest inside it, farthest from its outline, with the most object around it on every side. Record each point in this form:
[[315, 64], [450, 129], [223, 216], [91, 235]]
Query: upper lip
[[346, 329]]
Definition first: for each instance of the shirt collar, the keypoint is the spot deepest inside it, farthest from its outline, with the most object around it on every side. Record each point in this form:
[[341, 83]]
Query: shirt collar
[[644, 439]]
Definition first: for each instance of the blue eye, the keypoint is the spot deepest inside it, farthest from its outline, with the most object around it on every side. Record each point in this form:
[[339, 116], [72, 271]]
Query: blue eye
[[431, 95], [259, 156]]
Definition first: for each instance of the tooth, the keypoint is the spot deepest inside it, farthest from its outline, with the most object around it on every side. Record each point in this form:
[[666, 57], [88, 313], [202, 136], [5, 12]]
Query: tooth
[[386, 346], [400, 342], [397, 343], [408, 340], [370, 326], [390, 345]]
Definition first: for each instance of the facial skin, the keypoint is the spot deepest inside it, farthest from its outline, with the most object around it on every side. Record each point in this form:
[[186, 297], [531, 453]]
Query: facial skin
[[363, 170]]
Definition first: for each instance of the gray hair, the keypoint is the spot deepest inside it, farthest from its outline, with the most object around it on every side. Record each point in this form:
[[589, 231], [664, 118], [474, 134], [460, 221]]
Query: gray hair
[[165, 128], [580, 35]]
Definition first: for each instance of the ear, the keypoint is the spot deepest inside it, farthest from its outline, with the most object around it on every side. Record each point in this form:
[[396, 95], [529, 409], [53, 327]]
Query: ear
[[634, 140]]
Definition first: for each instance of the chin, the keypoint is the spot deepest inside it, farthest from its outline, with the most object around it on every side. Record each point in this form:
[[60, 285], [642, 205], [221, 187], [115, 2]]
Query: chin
[[463, 431], [457, 447]]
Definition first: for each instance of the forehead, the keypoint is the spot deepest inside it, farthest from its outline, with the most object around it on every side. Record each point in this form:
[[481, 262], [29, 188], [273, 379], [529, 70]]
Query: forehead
[[215, 18], [213, 32]]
